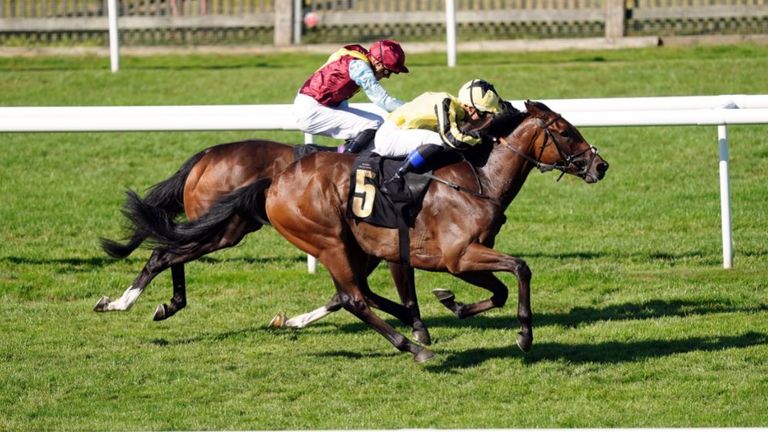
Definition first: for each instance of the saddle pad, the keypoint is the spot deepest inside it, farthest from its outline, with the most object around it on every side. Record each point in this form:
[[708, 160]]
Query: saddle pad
[[369, 203]]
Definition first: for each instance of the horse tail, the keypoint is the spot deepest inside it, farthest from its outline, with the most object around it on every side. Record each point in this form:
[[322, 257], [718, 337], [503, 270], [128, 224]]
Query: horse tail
[[166, 196], [247, 203]]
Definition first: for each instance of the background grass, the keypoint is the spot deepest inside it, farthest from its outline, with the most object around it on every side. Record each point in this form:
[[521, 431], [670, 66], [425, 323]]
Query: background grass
[[636, 323]]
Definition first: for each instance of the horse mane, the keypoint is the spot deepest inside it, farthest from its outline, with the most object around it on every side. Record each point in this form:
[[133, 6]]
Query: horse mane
[[504, 123], [500, 126]]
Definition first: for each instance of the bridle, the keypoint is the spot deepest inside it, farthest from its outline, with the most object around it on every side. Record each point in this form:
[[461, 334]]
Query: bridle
[[568, 160], [549, 136]]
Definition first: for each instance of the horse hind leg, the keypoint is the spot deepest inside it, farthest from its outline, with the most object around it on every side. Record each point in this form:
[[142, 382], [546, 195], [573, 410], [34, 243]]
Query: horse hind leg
[[179, 299], [161, 260], [303, 320], [134, 291], [153, 267]]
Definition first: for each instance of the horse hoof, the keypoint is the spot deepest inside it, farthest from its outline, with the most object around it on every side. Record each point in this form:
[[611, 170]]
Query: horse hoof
[[278, 321], [423, 355], [161, 312], [422, 336], [443, 294], [101, 306], [524, 342]]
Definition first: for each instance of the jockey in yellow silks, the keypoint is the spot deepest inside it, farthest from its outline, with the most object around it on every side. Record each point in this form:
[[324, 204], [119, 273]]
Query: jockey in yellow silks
[[431, 123]]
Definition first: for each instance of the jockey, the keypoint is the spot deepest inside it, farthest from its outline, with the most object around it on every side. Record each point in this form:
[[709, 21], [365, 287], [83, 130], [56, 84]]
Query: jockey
[[435, 123], [322, 107]]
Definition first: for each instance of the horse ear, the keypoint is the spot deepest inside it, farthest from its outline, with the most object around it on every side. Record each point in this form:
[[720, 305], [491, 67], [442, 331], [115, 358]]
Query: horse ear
[[530, 106]]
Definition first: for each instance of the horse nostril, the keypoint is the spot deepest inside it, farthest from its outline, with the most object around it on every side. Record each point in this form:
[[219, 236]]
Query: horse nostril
[[602, 167]]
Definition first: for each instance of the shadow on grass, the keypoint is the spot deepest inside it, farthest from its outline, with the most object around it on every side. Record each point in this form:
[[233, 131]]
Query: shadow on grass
[[652, 309], [603, 353], [354, 355], [210, 337]]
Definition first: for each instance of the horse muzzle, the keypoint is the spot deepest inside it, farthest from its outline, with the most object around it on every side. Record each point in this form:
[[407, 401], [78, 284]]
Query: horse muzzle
[[596, 170]]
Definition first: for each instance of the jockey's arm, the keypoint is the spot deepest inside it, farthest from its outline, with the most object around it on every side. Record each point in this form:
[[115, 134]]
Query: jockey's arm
[[449, 129], [362, 75]]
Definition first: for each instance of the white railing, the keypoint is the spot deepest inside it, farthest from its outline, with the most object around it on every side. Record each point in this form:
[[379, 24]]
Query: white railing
[[718, 111]]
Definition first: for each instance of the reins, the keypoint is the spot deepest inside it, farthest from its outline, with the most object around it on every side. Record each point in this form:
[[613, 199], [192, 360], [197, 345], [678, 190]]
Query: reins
[[479, 193], [568, 159]]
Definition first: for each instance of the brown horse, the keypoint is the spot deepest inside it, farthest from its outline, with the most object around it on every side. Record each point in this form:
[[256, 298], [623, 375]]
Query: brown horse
[[454, 232], [203, 180]]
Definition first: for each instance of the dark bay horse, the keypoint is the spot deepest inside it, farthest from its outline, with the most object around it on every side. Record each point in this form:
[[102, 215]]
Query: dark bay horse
[[203, 180], [454, 232]]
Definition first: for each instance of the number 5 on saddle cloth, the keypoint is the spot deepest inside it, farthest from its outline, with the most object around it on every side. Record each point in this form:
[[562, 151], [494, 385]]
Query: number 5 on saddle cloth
[[370, 204]]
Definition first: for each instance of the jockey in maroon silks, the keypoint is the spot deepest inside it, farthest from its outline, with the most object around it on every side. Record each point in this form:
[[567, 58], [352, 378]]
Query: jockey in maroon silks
[[321, 105]]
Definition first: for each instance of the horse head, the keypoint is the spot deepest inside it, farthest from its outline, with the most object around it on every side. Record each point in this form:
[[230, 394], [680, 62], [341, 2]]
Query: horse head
[[555, 144]]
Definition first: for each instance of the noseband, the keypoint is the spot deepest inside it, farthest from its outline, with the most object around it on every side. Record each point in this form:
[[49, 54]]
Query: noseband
[[568, 160]]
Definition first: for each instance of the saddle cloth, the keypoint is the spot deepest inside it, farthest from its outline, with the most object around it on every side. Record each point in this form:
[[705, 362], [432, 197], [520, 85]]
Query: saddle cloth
[[369, 203]]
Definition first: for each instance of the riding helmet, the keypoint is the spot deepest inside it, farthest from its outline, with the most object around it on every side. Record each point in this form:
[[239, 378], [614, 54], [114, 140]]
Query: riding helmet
[[480, 95], [390, 54]]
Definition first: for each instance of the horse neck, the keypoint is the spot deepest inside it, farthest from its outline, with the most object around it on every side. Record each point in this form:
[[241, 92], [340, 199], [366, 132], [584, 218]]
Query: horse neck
[[506, 171]]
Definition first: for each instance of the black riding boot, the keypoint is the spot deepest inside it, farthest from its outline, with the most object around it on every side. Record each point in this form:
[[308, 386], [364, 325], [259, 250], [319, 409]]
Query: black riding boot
[[416, 160], [360, 142]]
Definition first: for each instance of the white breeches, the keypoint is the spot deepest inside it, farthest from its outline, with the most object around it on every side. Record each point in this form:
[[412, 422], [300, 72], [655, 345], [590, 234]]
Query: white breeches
[[393, 141], [341, 122]]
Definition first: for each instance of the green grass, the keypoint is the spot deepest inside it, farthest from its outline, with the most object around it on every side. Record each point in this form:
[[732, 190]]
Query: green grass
[[636, 323]]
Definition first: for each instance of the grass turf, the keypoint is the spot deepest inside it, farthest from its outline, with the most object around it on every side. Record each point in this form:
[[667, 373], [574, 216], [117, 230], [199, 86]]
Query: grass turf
[[636, 324]]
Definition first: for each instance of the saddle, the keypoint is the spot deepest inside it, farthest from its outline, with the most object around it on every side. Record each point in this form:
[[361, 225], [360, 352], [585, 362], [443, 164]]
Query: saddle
[[368, 202]]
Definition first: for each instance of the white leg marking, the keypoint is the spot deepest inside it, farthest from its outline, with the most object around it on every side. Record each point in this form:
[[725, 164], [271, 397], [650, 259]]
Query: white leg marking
[[304, 319], [126, 300]]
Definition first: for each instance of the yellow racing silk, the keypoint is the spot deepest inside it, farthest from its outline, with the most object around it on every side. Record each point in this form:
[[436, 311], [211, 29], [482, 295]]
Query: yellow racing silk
[[438, 112]]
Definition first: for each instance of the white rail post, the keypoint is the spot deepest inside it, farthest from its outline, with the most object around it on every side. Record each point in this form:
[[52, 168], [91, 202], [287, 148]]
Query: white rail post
[[297, 17], [311, 261], [450, 31], [725, 197], [114, 39]]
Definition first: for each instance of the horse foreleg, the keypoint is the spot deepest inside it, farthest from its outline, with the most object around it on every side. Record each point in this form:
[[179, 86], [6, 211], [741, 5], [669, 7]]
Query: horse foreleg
[[405, 283], [482, 279], [359, 308], [179, 299], [352, 286], [475, 267]]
